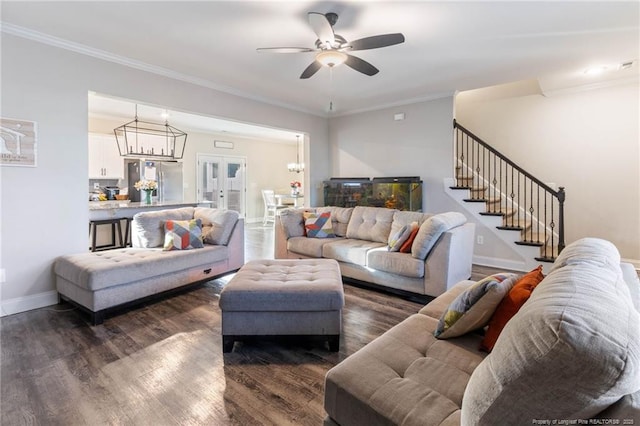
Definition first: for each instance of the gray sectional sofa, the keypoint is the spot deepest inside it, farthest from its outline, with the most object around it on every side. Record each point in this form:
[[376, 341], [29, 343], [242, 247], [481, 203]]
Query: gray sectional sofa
[[570, 355], [100, 281], [440, 255]]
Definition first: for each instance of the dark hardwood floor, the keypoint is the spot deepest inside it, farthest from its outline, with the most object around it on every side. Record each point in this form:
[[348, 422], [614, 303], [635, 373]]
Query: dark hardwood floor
[[162, 363]]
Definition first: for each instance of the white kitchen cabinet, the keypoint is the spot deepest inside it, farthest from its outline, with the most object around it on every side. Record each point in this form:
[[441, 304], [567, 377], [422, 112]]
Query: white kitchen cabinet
[[105, 161]]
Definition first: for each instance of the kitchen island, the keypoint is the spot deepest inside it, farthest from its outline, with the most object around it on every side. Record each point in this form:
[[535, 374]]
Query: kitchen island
[[102, 210], [118, 214]]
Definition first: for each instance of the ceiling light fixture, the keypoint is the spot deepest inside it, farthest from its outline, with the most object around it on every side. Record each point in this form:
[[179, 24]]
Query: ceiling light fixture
[[146, 139], [297, 166], [331, 58]]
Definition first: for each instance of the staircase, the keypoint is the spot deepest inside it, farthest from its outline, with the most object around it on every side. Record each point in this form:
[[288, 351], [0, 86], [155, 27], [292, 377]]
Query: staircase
[[520, 208]]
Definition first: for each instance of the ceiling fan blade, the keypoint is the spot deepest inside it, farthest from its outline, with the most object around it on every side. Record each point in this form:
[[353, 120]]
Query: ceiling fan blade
[[376, 42], [322, 28], [311, 69], [361, 65], [285, 49]]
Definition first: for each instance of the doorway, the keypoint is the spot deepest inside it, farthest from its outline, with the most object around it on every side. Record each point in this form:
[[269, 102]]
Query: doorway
[[221, 182]]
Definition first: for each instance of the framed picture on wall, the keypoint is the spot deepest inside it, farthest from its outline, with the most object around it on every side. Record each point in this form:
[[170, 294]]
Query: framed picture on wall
[[18, 142]]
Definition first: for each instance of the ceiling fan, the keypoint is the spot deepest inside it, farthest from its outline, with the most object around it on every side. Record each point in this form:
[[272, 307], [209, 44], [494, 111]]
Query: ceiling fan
[[332, 48]]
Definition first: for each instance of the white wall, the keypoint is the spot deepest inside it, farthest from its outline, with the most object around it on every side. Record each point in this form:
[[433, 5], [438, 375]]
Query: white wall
[[44, 209], [585, 141], [372, 144], [266, 162]]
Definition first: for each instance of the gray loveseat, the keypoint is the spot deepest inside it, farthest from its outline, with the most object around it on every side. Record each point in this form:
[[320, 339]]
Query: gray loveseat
[[440, 255], [570, 355], [99, 281]]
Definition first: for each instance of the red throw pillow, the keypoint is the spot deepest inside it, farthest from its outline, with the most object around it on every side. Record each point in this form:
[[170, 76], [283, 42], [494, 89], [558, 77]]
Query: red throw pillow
[[509, 306], [406, 246]]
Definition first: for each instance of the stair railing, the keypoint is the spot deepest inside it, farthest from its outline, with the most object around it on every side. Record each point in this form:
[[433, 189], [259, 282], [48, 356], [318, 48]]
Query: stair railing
[[526, 203]]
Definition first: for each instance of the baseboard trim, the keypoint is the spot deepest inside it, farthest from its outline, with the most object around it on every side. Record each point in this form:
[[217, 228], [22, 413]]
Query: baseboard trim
[[495, 262], [27, 303]]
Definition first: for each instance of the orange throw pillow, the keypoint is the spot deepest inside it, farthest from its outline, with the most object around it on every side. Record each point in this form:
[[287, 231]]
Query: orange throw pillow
[[509, 306], [406, 246]]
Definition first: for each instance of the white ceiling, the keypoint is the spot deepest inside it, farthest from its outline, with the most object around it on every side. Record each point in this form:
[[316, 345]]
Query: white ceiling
[[450, 46]]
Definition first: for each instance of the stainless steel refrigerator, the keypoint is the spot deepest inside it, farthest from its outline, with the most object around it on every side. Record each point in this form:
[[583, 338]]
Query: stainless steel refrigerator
[[168, 174]]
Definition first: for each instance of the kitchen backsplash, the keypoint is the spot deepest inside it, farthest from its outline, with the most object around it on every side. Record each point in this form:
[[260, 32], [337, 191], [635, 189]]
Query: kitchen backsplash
[[104, 182]]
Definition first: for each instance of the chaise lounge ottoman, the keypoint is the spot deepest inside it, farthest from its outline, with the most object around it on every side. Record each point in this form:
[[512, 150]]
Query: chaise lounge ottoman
[[283, 298]]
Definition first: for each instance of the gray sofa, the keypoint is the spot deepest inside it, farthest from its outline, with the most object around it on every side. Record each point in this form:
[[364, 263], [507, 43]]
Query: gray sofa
[[570, 354], [100, 281], [440, 255]]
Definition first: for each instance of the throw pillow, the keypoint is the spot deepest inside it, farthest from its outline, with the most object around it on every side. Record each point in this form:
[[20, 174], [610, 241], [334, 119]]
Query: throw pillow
[[406, 246], [509, 306], [472, 309], [396, 240], [182, 234], [318, 225]]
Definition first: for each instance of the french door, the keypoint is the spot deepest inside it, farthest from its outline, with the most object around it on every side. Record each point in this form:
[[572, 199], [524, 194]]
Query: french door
[[221, 182]]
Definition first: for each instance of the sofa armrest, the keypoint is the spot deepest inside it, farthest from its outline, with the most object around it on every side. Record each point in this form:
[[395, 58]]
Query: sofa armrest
[[449, 262], [236, 246], [280, 238]]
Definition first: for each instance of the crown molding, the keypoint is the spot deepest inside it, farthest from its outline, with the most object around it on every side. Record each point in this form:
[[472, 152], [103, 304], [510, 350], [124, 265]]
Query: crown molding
[[633, 79], [61, 43], [404, 102]]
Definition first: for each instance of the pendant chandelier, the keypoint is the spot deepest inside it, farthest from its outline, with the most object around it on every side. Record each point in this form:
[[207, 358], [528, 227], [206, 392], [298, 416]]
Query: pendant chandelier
[[297, 166], [146, 139]]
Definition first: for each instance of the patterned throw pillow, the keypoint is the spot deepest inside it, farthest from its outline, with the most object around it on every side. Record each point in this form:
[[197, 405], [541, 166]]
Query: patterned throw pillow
[[509, 306], [182, 234], [318, 225], [396, 240], [472, 309]]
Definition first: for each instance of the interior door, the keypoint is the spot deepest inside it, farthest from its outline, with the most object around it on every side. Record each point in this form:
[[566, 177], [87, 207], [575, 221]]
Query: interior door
[[221, 182]]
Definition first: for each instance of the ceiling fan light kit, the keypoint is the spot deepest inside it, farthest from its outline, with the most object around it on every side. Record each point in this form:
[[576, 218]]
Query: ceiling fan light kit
[[332, 48], [331, 58]]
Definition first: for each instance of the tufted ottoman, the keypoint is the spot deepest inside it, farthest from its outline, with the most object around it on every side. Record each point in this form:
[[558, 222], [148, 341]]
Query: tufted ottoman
[[283, 297]]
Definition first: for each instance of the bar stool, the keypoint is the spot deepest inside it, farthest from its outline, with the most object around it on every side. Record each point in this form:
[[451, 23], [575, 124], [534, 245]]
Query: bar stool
[[127, 232], [115, 225]]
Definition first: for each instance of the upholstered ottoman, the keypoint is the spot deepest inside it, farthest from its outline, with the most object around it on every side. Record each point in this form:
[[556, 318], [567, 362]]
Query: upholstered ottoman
[[283, 297]]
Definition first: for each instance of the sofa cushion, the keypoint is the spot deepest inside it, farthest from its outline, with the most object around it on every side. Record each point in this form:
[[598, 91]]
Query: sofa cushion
[[510, 305], [473, 308], [182, 234], [97, 270], [310, 247], [147, 228], [402, 218], [395, 263], [350, 250], [370, 224], [217, 224], [406, 376], [340, 217], [292, 221], [575, 345], [318, 225], [432, 229]]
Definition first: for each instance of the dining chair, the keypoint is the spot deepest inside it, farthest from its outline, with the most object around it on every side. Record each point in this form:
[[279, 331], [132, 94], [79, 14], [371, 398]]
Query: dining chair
[[271, 207]]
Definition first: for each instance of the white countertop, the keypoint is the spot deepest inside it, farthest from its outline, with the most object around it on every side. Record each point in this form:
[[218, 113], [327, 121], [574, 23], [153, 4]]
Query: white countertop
[[126, 204], [100, 210]]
